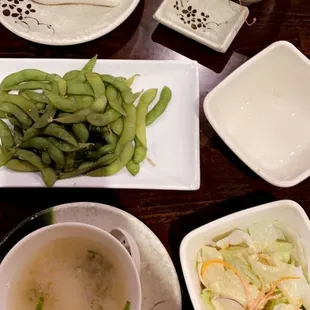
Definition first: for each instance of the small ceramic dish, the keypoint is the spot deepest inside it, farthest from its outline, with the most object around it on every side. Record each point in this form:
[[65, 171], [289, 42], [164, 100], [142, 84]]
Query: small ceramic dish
[[287, 212], [212, 23], [262, 113]]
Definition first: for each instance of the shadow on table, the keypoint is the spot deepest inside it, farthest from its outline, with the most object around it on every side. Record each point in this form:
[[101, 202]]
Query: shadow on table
[[182, 226], [217, 143], [190, 48], [18, 204]]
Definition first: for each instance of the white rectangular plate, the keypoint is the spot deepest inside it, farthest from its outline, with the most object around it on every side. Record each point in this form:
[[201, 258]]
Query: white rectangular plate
[[173, 140]]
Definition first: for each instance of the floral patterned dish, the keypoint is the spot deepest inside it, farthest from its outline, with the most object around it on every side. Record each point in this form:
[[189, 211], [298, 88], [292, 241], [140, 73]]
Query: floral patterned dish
[[214, 23]]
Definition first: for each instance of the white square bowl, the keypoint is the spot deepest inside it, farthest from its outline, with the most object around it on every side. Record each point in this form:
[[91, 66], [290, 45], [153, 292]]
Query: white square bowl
[[287, 212], [262, 113]]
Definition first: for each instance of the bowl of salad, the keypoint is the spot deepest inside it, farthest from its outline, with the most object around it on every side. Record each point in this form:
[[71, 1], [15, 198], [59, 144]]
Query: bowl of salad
[[256, 259]]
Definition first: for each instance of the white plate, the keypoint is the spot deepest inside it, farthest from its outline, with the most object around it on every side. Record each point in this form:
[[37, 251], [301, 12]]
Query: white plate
[[214, 23], [287, 212], [173, 140], [62, 24], [262, 113]]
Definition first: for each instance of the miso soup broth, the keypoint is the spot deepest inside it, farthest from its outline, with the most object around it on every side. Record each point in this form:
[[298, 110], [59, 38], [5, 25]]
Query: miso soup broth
[[69, 274]]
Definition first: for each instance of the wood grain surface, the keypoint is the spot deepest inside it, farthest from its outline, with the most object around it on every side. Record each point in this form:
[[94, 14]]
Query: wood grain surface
[[227, 184]]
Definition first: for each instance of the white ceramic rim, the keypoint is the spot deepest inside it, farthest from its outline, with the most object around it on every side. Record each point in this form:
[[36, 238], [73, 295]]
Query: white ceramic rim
[[110, 27], [106, 234], [237, 150], [229, 218]]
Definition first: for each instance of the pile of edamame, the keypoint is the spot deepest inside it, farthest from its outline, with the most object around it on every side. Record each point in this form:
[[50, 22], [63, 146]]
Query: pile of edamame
[[83, 123]]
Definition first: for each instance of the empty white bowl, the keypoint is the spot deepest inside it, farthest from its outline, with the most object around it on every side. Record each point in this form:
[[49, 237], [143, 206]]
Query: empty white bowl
[[262, 113], [287, 212]]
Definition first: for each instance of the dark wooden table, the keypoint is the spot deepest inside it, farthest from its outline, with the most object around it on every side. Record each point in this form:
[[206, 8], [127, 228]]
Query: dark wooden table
[[171, 214]]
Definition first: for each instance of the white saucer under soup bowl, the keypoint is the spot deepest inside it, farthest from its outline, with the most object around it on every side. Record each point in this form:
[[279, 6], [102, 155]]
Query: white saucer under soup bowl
[[262, 113]]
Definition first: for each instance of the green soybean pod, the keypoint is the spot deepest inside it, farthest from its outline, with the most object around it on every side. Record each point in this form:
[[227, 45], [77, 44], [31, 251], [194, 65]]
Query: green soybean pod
[[77, 117], [108, 148], [67, 147], [60, 103], [140, 152], [90, 65], [7, 139], [114, 103], [18, 135], [117, 126], [62, 87], [37, 97], [123, 159], [133, 168], [83, 102], [23, 76], [44, 144], [23, 94], [13, 121], [69, 161], [20, 166], [18, 113], [71, 75], [81, 132], [3, 114], [160, 106], [137, 95], [128, 96], [31, 85], [31, 132], [145, 100], [6, 155], [47, 117], [83, 89], [49, 176], [129, 130], [109, 136], [30, 157], [130, 80], [40, 106], [96, 84], [103, 119], [26, 105], [46, 159], [57, 131], [115, 82]]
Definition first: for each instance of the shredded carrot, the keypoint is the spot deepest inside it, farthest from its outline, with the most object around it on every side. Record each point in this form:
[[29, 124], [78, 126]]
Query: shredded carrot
[[265, 298], [208, 263]]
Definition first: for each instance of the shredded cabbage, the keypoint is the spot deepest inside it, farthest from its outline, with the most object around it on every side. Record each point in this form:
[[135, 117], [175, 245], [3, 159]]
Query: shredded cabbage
[[261, 268]]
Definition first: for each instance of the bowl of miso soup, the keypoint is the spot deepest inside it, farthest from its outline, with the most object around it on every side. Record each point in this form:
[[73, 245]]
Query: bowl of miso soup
[[69, 266]]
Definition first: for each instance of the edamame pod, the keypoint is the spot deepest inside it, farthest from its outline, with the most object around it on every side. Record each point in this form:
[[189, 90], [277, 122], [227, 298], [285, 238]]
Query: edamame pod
[[145, 100], [46, 159], [96, 83], [6, 155], [74, 118], [26, 105], [81, 89], [117, 126], [60, 103], [160, 106], [115, 82], [20, 166], [57, 131], [133, 168], [31, 85], [44, 144], [140, 152], [67, 147], [30, 157], [38, 97], [23, 76], [71, 75], [123, 159], [128, 96], [90, 64], [7, 139], [129, 130], [130, 80], [46, 118], [113, 100], [108, 148], [16, 111], [18, 135], [102, 119], [49, 176], [81, 132], [31, 132]]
